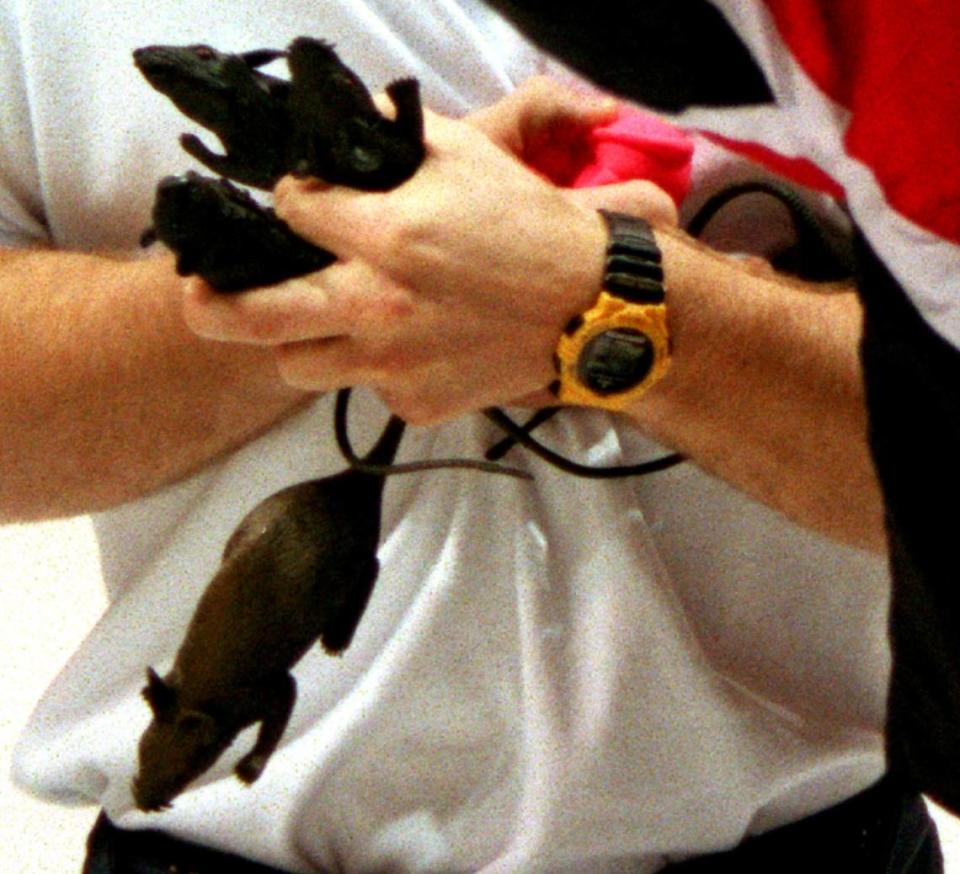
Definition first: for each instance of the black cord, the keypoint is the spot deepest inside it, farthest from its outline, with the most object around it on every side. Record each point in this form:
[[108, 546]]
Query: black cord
[[346, 449], [521, 434], [498, 450], [817, 259]]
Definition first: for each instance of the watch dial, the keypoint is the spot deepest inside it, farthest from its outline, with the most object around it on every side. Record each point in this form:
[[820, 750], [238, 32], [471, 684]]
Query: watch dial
[[615, 360]]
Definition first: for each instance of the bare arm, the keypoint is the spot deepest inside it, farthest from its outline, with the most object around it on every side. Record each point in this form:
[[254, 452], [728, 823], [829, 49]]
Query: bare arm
[[104, 393], [766, 390], [452, 291]]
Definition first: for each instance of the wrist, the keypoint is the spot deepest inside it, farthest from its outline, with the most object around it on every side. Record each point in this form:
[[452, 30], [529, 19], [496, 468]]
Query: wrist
[[613, 352]]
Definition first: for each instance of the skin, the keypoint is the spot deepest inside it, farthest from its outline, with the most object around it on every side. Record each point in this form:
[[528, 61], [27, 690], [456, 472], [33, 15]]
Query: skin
[[127, 400], [451, 293], [105, 393]]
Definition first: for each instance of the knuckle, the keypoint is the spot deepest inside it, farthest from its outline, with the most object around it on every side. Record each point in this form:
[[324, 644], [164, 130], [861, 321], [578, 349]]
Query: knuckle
[[658, 204], [289, 208], [299, 368], [536, 86], [283, 189], [411, 410], [397, 233], [286, 200], [543, 87], [382, 313], [393, 308]]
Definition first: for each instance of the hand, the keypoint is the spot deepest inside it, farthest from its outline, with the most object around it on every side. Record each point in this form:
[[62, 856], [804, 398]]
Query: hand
[[450, 292]]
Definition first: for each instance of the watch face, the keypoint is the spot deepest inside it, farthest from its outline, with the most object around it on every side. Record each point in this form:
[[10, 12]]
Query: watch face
[[615, 360]]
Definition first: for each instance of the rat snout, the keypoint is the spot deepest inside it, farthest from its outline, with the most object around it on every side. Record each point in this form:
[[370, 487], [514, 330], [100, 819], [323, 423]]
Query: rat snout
[[147, 57], [150, 799]]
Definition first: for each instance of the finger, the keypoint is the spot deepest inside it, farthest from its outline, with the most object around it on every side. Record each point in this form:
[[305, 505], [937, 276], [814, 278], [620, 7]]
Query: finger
[[328, 364], [322, 304], [384, 104], [344, 362], [554, 111], [332, 217], [541, 106], [638, 197]]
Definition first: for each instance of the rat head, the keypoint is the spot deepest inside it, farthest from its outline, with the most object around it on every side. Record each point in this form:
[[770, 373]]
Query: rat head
[[202, 82], [190, 204], [191, 209], [177, 747]]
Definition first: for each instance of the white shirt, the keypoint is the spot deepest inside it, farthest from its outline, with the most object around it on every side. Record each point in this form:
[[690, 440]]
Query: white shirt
[[566, 675]]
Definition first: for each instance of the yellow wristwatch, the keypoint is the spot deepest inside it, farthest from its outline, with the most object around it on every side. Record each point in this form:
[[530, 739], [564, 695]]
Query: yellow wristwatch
[[614, 352]]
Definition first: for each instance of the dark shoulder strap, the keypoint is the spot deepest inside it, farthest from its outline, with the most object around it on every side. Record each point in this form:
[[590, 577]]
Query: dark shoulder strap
[[913, 394], [667, 54]]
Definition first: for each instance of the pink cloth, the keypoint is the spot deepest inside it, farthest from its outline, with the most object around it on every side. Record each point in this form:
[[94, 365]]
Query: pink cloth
[[635, 145]]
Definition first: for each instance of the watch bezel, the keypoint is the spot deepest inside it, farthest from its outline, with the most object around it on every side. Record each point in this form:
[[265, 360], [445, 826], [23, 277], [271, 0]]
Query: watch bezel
[[632, 299], [610, 314]]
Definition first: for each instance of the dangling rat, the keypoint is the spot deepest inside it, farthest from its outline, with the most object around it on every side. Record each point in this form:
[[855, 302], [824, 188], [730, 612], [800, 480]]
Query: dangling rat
[[300, 566]]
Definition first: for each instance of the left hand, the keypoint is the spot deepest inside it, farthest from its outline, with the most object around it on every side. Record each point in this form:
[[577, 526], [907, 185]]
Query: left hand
[[543, 115], [450, 292]]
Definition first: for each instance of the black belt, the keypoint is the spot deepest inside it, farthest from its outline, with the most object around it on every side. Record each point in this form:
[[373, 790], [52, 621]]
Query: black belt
[[112, 850], [883, 830]]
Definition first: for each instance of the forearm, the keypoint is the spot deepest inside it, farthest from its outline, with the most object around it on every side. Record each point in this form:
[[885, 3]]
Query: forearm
[[105, 394], [452, 292], [765, 390]]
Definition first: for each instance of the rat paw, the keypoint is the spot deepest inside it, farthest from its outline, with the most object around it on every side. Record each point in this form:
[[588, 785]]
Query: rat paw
[[250, 767]]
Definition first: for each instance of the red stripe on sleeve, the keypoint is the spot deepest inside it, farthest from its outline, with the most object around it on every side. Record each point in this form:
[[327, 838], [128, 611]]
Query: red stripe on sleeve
[[896, 67]]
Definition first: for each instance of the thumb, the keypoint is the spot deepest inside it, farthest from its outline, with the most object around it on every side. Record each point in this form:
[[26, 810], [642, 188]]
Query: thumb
[[638, 197], [541, 110]]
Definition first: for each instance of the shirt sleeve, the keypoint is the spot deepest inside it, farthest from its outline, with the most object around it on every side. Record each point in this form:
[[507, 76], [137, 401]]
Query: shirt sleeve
[[22, 220]]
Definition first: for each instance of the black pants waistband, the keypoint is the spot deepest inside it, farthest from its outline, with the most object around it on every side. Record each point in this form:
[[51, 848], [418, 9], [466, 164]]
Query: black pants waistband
[[883, 830], [112, 850]]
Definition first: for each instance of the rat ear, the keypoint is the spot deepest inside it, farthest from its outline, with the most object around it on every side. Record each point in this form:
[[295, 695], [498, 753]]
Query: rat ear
[[161, 696], [200, 726]]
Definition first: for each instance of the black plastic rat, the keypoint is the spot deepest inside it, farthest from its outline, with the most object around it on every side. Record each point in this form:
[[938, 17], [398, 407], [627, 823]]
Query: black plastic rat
[[322, 123], [227, 94], [339, 135], [218, 231]]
